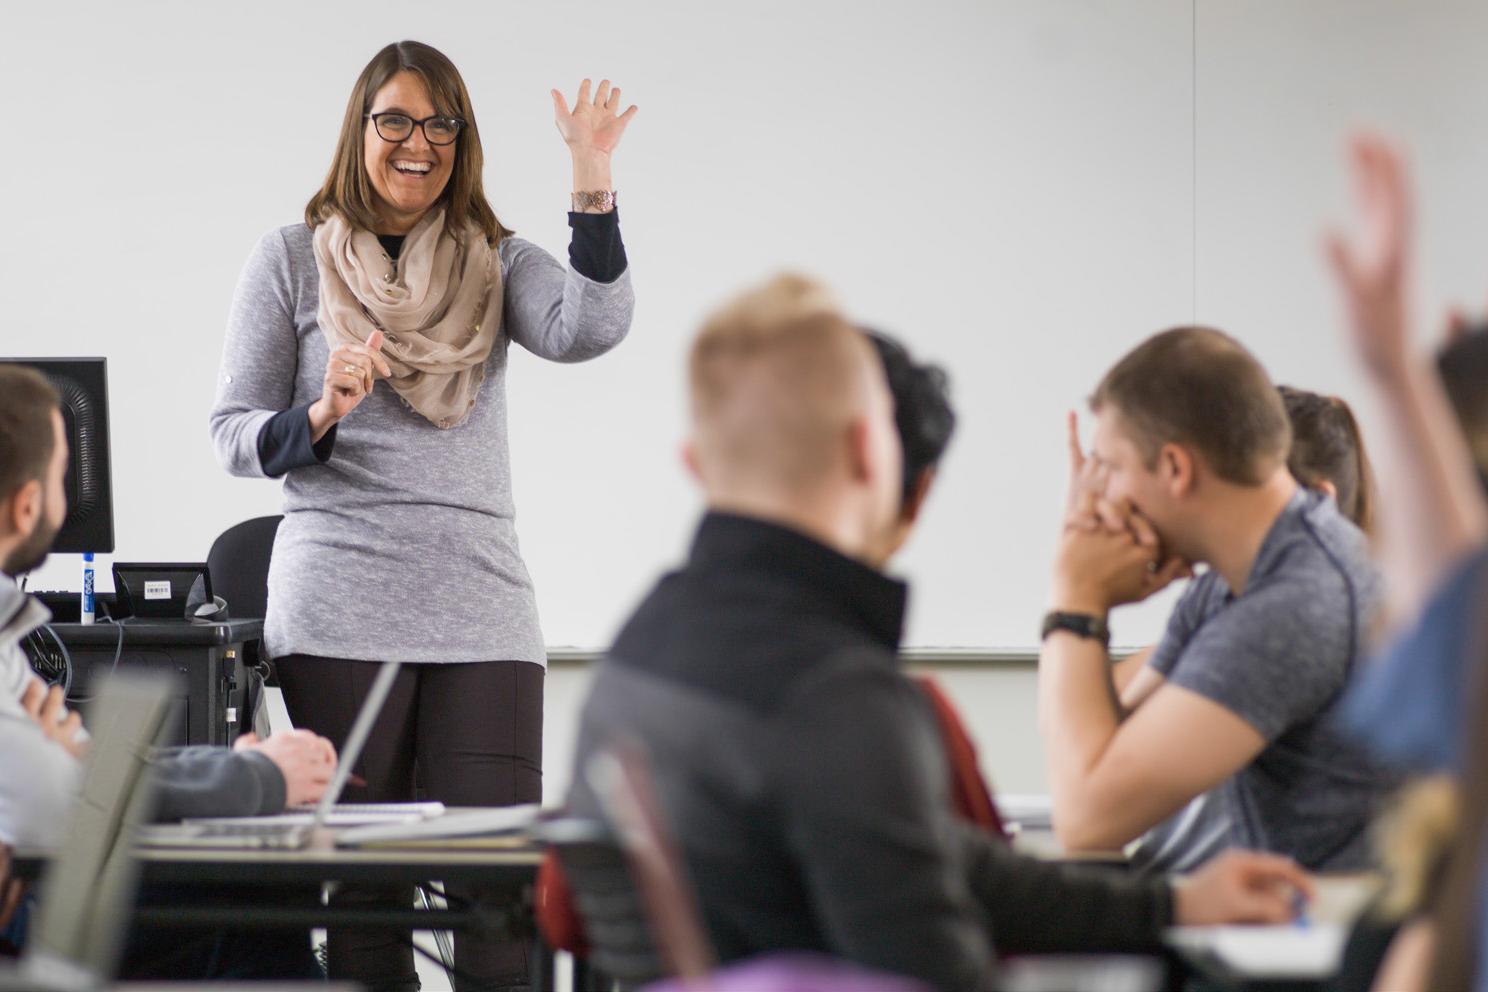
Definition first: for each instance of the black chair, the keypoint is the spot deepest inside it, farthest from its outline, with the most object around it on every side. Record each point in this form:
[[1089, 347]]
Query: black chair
[[621, 951], [639, 913], [239, 565]]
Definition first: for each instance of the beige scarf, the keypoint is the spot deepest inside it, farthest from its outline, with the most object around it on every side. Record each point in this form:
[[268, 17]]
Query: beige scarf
[[438, 306]]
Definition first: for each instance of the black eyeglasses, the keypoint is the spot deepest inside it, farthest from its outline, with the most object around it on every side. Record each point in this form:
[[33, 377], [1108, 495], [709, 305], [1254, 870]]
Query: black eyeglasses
[[397, 128]]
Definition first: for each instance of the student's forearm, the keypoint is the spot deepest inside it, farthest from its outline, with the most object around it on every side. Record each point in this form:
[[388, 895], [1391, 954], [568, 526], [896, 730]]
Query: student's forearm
[[1123, 671], [1435, 512], [1078, 717]]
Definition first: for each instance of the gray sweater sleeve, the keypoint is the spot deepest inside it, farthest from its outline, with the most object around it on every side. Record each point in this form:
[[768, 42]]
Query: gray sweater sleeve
[[259, 359], [557, 313], [214, 781]]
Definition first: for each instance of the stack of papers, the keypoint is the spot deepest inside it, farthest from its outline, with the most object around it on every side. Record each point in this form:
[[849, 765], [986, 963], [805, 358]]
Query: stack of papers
[[1292, 952], [498, 826], [1029, 810]]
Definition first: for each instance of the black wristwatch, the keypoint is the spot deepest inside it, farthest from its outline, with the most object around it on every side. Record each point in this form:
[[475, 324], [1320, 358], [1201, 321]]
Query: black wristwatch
[[1080, 624]]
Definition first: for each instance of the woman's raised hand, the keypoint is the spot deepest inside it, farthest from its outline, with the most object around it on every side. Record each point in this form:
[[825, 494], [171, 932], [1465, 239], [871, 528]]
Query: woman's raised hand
[[593, 125], [350, 373]]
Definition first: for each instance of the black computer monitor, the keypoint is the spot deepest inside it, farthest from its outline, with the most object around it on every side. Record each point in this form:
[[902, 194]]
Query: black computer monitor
[[83, 383]]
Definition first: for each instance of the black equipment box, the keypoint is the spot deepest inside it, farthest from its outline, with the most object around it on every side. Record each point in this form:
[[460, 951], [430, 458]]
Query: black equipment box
[[205, 659]]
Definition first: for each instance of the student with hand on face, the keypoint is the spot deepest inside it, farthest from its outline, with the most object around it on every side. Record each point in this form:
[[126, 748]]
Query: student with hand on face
[[1327, 454], [799, 769], [1189, 467]]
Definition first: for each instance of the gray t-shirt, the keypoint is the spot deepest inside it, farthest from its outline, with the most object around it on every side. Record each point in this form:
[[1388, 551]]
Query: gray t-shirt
[[1278, 656]]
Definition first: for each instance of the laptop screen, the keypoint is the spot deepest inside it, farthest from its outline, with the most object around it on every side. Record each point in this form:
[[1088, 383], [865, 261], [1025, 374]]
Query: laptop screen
[[88, 890]]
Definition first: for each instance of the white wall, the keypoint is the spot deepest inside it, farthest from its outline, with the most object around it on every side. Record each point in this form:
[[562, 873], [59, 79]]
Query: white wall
[[953, 168], [1020, 189], [996, 700]]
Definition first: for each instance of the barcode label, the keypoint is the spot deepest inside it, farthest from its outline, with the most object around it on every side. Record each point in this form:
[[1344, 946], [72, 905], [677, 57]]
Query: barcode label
[[157, 590]]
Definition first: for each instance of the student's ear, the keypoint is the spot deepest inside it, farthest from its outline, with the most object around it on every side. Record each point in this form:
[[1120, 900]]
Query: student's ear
[[1178, 467], [690, 461], [910, 512], [1326, 487], [23, 509], [862, 462]]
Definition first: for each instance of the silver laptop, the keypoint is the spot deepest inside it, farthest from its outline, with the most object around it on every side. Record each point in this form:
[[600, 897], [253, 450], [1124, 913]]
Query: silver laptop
[[294, 830], [88, 891]]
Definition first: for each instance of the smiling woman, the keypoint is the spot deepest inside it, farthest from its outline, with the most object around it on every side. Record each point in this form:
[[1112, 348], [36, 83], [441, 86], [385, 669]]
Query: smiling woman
[[398, 508]]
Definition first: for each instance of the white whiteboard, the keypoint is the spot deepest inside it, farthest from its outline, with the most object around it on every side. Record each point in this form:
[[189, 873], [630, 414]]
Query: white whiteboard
[[1021, 190]]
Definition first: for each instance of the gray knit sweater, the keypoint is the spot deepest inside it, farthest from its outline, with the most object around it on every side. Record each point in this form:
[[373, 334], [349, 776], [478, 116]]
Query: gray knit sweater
[[398, 540]]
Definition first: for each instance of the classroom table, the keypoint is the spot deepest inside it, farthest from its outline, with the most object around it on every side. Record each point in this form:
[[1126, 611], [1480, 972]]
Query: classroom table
[[1232, 959], [504, 867], [1294, 958]]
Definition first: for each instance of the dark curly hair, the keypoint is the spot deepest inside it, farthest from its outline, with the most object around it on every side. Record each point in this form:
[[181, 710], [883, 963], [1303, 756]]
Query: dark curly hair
[[922, 408]]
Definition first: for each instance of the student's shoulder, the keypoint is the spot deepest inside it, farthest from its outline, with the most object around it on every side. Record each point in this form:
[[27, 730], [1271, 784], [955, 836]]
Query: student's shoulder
[[1323, 564]]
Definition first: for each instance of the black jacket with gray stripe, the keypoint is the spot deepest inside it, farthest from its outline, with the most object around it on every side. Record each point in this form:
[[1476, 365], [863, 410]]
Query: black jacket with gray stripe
[[805, 781]]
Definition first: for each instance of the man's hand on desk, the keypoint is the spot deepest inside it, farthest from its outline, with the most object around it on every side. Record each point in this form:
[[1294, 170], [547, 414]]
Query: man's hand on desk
[[305, 759], [48, 708], [1241, 887]]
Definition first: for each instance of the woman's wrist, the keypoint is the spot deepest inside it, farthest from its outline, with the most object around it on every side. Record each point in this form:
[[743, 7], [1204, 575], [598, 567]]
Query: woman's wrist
[[591, 171], [321, 420]]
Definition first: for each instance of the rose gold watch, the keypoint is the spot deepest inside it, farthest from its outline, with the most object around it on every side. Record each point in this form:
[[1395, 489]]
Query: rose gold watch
[[599, 201]]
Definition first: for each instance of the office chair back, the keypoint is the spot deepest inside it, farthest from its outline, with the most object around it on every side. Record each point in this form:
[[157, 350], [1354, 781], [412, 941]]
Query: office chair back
[[599, 881], [640, 920], [239, 565], [622, 779]]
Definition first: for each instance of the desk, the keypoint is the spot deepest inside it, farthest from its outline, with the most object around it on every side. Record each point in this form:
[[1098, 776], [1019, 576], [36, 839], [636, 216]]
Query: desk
[[206, 659], [1296, 959], [507, 873]]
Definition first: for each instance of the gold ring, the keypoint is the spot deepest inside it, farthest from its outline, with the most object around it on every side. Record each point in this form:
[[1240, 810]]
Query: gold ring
[[350, 369]]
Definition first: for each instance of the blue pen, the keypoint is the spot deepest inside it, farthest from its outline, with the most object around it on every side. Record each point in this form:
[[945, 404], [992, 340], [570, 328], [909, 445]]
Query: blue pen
[[1299, 906]]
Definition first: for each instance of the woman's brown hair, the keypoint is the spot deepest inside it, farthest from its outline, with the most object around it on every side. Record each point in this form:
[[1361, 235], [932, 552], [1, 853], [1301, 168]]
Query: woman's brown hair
[[348, 189], [1327, 446]]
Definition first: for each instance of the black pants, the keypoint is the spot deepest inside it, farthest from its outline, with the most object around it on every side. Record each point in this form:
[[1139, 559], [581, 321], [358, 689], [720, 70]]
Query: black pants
[[472, 733]]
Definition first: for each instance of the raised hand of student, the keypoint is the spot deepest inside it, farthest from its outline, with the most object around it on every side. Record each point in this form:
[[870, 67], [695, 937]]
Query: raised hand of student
[[305, 759], [1374, 266], [47, 707], [1435, 514], [1241, 887], [350, 373]]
